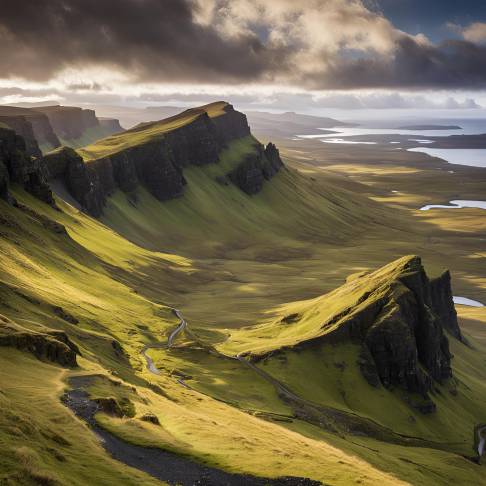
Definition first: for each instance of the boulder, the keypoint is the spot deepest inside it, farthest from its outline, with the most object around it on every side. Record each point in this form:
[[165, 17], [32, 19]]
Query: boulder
[[150, 417], [250, 174]]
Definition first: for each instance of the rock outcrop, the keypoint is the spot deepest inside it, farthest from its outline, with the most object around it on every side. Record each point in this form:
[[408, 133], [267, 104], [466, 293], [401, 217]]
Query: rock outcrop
[[250, 174], [17, 166], [398, 316], [50, 345], [443, 304], [81, 180], [32, 125], [400, 323], [191, 138]]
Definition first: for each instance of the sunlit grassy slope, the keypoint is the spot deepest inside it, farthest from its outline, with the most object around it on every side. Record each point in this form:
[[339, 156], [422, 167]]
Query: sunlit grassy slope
[[147, 132], [302, 321], [83, 278], [290, 212], [225, 259]]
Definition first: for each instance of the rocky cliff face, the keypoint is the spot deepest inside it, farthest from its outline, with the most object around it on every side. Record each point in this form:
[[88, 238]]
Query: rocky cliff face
[[443, 305], [111, 124], [23, 128], [69, 122], [402, 332], [250, 175], [32, 125], [81, 180], [17, 166], [158, 163], [399, 317]]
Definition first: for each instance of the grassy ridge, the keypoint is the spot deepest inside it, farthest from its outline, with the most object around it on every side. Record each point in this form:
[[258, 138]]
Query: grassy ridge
[[147, 132]]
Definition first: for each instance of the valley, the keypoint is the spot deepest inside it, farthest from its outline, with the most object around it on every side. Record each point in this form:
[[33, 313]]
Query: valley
[[222, 295]]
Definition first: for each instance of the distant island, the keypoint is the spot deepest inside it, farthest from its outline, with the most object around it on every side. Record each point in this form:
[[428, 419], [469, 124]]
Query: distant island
[[430, 127]]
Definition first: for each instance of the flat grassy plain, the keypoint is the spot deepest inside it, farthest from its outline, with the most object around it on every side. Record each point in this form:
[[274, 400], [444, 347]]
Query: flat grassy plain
[[228, 260]]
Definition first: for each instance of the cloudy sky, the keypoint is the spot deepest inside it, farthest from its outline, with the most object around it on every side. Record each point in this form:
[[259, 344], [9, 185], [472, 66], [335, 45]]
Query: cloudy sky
[[267, 53]]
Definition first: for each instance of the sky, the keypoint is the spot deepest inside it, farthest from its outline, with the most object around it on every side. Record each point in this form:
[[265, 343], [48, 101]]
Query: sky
[[266, 54]]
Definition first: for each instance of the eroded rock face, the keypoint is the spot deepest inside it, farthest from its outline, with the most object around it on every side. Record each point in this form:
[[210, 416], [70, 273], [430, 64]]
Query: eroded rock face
[[81, 180], [404, 343], [443, 304], [69, 122], [400, 318], [32, 125], [250, 174], [21, 168], [158, 164], [50, 345]]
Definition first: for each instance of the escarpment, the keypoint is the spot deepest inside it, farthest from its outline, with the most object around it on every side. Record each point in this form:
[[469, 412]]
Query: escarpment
[[69, 122], [397, 315], [19, 167], [32, 125], [155, 154], [401, 323], [82, 181], [111, 124]]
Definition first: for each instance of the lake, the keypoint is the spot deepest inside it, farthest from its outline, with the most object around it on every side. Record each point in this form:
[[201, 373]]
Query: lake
[[469, 157]]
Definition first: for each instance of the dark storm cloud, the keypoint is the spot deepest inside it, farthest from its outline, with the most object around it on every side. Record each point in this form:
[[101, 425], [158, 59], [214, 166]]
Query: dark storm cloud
[[161, 41], [454, 64], [152, 39]]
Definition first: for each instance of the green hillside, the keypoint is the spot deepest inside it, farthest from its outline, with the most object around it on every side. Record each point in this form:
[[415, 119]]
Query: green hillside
[[147, 132], [250, 275]]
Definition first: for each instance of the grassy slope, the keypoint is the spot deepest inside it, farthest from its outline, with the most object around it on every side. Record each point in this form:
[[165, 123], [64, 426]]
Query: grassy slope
[[147, 132], [117, 290], [39, 272]]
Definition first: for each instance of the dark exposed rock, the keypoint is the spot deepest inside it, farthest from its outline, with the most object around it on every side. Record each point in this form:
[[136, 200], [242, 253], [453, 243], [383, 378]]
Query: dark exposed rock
[[443, 304], [65, 316], [50, 345], [110, 406], [118, 348], [27, 171], [291, 318], [406, 338], [82, 180], [23, 128], [150, 417], [399, 317], [158, 164], [250, 174], [196, 143], [32, 125], [232, 125]]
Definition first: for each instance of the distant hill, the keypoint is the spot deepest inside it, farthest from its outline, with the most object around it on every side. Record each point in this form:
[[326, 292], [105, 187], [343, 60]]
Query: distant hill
[[56, 125], [430, 127], [289, 124]]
